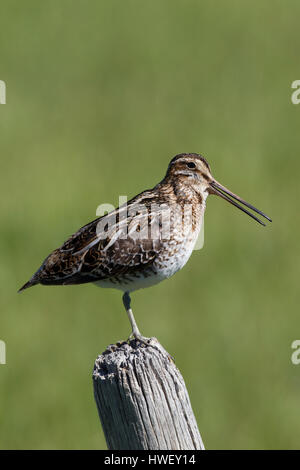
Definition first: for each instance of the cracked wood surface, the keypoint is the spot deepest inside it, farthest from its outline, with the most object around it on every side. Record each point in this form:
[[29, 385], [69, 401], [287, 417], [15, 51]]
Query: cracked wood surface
[[142, 399]]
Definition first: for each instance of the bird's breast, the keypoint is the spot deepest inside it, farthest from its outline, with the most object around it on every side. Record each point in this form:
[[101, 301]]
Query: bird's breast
[[176, 251]]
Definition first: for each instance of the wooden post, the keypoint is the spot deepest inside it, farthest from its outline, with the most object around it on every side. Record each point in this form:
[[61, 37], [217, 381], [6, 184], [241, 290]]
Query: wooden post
[[142, 400]]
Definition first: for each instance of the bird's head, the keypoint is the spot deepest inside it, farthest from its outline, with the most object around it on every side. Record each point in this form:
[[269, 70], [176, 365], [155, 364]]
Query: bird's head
[[193, 171]]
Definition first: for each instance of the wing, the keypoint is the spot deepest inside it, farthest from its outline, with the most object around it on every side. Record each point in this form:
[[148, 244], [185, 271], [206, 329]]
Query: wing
[[122, 242]]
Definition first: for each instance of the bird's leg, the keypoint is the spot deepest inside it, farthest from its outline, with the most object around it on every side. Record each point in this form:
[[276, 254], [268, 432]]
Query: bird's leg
[[135, 331]]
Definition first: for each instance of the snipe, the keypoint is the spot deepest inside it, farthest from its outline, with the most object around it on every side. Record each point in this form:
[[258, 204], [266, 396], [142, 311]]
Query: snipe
[[144, 241]]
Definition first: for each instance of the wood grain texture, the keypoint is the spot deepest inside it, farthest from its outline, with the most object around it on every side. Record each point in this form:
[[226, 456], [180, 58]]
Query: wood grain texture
[[142, 400]]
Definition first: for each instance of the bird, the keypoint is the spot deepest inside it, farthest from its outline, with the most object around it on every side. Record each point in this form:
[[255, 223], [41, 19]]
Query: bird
[[145, 240]]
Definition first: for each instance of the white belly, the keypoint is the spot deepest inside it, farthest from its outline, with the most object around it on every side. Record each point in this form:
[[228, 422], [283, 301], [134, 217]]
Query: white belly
[[170, 265]]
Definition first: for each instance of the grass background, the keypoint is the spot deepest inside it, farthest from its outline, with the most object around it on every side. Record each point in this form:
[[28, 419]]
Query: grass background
[[100, 96]]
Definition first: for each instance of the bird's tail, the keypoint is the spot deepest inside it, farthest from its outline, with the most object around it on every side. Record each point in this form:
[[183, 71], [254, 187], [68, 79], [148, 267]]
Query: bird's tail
[[30, 283]]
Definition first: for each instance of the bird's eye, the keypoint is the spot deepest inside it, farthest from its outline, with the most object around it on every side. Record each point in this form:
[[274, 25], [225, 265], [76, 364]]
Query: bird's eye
[[191, 165]]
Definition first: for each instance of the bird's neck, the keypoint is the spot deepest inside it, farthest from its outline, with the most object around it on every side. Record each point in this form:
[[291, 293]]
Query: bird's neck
[[182, 193], [191, 201]]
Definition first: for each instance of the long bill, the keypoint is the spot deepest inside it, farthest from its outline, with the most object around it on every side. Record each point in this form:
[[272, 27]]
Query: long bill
[[224, 193]]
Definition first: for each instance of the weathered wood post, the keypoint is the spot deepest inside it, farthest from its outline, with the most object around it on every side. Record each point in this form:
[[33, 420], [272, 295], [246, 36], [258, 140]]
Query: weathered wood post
[[142, 400]]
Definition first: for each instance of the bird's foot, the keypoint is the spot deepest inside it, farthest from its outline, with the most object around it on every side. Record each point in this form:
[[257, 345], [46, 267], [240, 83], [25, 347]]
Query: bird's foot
[[142, 339], [153, 342]]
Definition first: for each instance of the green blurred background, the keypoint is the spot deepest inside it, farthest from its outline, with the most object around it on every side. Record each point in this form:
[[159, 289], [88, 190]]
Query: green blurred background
[[100, 96]]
